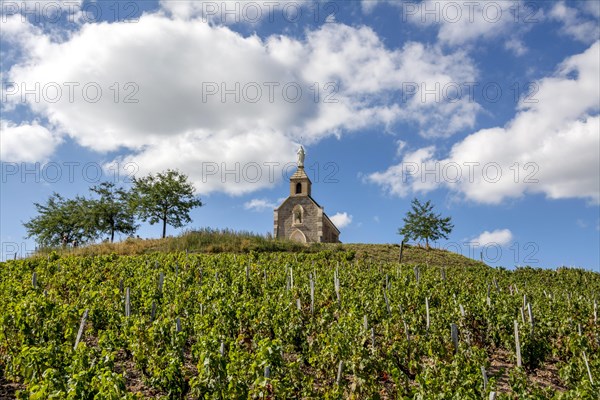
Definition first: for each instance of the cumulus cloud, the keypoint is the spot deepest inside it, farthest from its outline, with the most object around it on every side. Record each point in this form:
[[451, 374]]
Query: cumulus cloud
[[235, 12], [516, 46], [577, 23], [461, 23], [551, 146], [259, 205], [26, 142], [341, 220], [166, 94], [500, 237]]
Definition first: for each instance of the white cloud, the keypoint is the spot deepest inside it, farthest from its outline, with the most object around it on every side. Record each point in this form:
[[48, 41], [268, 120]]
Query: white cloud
[[465, 22], [400, 146], [341, 220], [516, 46], [368, 6], [259, 205], [575, 23], [500, 237], [397, 178], [235, 12], [27, 142], [168, 65], [551, 146]]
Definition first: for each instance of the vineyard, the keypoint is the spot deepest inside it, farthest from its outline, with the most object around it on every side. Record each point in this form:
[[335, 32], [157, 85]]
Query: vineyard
[[323, 325]]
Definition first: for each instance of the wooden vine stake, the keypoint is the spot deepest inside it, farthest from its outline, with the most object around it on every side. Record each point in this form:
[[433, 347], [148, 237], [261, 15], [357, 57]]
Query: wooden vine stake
[[336, 284], [82, 326], [406, 330], [522, 314], [530, 315], [267, 372], [485, 377], [401, 251], [492, 396], [127, 303], [587, 366], [518, 344], [153, 313], [34, 280], [365, 323], [161, 282], [595, 312], [339, 372], [312, 294], [222, 349], [373, 338], [427, 311], [454, 335], [387, 302]]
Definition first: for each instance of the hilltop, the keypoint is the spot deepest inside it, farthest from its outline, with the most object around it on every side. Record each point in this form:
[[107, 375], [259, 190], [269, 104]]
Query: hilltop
[[225, 241]]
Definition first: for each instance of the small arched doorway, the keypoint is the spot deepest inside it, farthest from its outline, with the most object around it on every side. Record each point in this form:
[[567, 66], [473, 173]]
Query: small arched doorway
[[298, 236]]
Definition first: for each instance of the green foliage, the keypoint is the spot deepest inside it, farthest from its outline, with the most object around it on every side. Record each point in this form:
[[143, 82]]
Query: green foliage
[[111, 211], [62, 221], [166, 197], [240, 315], [421, 223]]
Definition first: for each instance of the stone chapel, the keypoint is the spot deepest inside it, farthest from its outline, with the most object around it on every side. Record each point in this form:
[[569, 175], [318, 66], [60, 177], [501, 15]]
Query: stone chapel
[[300, 217]]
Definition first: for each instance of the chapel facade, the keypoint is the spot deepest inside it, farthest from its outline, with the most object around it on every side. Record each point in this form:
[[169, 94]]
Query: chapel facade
[[300, 217]]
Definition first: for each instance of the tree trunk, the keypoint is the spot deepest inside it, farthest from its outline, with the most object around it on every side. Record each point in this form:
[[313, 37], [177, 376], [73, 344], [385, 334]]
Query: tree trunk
[[112, 234], [427, 243], [164, 227]]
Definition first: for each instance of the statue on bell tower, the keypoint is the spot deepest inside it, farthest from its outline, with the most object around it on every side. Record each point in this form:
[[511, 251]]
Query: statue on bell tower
[[301, 156]]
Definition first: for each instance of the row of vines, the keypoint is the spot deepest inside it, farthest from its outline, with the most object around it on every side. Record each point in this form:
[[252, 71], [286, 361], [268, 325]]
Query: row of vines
[[318, 326]]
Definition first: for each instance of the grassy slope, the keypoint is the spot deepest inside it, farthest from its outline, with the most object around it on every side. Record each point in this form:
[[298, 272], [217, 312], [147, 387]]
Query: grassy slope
[[211, 241]]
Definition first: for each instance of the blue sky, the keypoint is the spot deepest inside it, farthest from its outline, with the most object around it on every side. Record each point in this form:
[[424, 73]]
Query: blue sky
[[488, 108]]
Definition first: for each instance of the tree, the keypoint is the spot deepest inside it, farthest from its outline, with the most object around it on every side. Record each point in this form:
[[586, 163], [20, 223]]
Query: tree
[[422, 223], [111, 211], [61, 221], [166, 197]]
